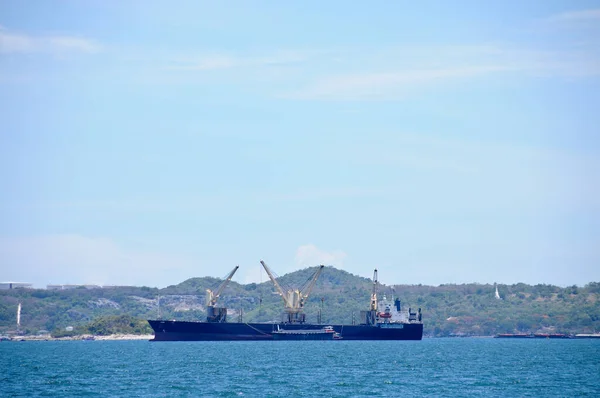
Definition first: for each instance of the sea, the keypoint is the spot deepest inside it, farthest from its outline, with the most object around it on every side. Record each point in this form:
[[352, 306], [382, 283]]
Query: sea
[[442, 367]]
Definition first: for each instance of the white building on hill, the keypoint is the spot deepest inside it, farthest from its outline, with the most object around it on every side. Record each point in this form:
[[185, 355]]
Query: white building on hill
[[68, 287], [15, 285]]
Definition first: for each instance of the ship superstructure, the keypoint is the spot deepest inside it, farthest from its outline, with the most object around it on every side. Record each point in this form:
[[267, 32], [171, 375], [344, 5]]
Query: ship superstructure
[[388, 312]]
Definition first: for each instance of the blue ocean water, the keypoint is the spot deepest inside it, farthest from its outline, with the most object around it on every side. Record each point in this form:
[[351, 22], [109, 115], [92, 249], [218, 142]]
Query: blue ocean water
[[467, 367]]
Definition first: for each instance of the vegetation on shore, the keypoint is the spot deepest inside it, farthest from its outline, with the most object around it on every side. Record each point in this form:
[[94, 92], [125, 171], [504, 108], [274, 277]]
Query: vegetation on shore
[[448, 310], [108, 325]]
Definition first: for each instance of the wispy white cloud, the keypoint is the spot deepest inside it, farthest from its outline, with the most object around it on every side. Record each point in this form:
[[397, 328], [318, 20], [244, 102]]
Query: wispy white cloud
[[11, 42], [214, 62], [396, 72], [485, 176], [310, 255], [227, 61], [387, 84], [192, 202], [402, 72], [316, 194], [573, 16], [80, 259], [307, 255]]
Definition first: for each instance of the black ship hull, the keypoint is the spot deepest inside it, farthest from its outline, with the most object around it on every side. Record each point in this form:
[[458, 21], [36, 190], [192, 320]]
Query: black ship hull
[[208, 331]]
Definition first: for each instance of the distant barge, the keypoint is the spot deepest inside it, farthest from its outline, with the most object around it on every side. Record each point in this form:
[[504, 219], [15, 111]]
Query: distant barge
[[534, 336], [587, 336]]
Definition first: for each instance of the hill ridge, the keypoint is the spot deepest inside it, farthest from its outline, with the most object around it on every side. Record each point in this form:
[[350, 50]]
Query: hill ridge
[[448, 309]]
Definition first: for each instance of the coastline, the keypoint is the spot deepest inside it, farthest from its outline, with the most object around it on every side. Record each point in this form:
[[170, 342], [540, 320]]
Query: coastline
[[126, 337], [85, 337]]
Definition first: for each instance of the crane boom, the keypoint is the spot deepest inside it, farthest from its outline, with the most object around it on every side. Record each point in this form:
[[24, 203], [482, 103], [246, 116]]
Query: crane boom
[[310, 286], [212, 297], [374, 293], [277, 286], [294, 299]]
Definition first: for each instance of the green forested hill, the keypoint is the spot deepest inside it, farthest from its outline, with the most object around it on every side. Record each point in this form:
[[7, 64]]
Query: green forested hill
[[467, 309]]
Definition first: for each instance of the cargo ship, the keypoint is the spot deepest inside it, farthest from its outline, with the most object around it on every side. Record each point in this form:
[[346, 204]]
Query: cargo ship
[[384, 320]]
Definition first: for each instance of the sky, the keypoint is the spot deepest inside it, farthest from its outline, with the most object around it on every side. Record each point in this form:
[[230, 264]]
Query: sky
[[145, 142]]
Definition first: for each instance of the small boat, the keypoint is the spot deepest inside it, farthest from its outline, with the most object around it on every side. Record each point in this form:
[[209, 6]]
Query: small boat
[[336, 335]]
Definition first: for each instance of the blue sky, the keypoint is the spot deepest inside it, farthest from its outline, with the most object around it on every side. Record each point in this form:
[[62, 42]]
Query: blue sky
[[447, 142]]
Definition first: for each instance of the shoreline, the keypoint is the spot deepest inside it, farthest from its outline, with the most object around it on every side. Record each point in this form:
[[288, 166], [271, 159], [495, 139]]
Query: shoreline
[[85, 337], [148, 337]]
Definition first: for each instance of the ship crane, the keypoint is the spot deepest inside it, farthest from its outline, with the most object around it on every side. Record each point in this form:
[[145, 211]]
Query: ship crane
[[294, 299], [216, 314], [374, 292], [370, 317]]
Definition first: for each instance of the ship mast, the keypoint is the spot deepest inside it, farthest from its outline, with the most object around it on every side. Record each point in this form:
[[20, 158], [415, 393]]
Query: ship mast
[[294, 299]]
